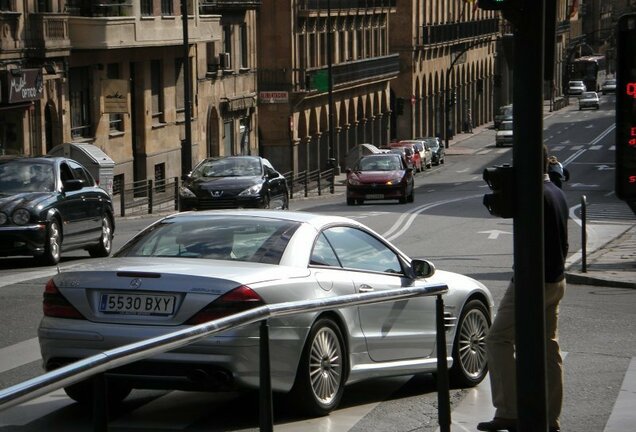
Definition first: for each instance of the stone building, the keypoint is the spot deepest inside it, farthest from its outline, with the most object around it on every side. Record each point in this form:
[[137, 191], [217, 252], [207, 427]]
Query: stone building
[[447, 58], [304, 121]]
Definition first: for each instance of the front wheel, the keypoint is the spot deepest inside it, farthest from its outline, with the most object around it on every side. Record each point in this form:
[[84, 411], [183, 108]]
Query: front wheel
[[321, 372], [469, 349], [53, 245], [105, 245]]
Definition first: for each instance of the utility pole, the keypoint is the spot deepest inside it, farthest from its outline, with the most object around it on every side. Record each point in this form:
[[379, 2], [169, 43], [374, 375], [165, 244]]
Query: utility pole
[[186, 144]]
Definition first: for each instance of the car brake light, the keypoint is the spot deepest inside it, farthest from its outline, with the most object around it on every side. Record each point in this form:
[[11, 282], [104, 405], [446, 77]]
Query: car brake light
[[56, 305], [238, 300]]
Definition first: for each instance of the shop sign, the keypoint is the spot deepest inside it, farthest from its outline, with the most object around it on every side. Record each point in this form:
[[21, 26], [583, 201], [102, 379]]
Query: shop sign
[[115, 94], [24, 86], [273, 97]]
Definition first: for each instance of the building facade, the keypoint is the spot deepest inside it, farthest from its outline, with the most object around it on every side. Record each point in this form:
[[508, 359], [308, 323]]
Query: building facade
[[306, 124], [447, 57]]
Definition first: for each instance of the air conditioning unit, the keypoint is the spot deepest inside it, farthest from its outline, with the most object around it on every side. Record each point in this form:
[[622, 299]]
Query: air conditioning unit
[[224, 61]]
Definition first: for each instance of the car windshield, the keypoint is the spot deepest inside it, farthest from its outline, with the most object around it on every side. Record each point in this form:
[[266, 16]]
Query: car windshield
[[377, 163], [588, 95], [220, 237], [20, 177], [229, 167], [506, 126], [576, 83]]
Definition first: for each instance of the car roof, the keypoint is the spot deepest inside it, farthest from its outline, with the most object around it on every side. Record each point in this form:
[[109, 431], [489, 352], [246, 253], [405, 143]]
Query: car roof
[[590, 93], [314, 219]]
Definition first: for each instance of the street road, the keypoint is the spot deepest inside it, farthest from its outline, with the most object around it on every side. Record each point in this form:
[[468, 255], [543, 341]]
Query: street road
[[447, 224]]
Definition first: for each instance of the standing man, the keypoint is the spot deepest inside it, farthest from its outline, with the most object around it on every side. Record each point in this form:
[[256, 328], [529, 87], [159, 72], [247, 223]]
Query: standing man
[[500, 341]]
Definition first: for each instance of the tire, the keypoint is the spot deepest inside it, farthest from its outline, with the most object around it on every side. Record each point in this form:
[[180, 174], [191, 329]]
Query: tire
[[322, 369], [351, 201], [105, 246], [360, 201], [411, 196], [82, 393], [53, 245], [402, 199], [469, 348]]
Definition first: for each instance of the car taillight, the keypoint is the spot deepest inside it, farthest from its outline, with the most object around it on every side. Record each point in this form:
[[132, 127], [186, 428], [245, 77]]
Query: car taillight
[[56, 305], [238, 300]]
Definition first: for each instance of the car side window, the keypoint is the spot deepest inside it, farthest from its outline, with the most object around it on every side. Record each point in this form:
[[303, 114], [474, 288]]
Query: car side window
[[323, 254], [65, 172], [359, 250], [80, 173]]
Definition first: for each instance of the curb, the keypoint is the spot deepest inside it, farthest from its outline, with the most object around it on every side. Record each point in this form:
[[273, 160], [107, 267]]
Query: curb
[[585, 279]]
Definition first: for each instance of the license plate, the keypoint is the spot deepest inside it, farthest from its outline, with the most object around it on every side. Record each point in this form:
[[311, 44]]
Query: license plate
[[137, 304], [374, 196]]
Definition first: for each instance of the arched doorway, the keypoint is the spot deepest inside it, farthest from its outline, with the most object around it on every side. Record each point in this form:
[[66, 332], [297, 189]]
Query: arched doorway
[[212, 135]]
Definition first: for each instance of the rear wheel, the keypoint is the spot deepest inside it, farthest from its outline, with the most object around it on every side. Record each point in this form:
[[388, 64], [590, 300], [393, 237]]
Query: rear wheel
[[53, 245], [469, 349], [105, 245], [321, 372]]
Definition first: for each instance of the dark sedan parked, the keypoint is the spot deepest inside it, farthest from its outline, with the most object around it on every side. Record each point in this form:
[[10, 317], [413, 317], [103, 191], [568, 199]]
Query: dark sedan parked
[[382, 176], [50, 205], [233, 182], [437, 149]]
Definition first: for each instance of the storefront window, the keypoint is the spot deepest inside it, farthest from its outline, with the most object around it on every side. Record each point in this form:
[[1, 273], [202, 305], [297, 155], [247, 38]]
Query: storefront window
[[79, 89]]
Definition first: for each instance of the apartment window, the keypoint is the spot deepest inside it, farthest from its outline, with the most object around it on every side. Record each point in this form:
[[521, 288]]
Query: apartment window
[[212, 57], [115, 121], [243, 43], [228, 137], [227, 38], [311, 57], [79, 92], [167, 7], [156, 81], [342, 47], [5, 5], [147, 8], [179, 75], [44, 6]]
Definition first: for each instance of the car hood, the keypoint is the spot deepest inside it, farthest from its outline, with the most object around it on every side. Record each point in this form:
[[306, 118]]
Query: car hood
[[176, 274], [28, 200], [215, 183], [377, 176]]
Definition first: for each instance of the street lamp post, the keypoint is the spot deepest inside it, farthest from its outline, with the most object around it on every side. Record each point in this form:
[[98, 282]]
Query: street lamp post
[[186, 145], [333, 152]]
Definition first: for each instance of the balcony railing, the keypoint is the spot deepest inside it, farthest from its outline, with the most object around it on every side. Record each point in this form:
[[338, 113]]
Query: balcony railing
[[101, 8], [49, 31], [214, 6], [451, 32], [313, 5], [299, 80]]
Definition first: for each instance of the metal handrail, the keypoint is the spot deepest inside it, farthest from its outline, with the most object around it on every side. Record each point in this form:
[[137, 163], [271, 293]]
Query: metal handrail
[[100, 363]]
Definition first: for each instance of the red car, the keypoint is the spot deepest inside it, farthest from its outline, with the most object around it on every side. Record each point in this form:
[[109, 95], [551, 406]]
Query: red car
[[412, 154], [382, 176]]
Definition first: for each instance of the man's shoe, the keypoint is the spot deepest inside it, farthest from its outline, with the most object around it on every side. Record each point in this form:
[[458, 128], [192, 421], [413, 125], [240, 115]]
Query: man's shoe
[[555, 429], [498, 424]]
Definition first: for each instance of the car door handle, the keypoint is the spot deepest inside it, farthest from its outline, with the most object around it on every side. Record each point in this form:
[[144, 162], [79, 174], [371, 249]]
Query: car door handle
[[365, 288]]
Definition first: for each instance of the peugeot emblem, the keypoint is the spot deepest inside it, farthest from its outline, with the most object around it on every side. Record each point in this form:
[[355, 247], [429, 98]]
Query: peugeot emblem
[[217, 194], [135, 283]]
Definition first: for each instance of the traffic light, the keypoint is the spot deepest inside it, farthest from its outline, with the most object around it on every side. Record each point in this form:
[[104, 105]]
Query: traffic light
[[626, 109], [501, 180]]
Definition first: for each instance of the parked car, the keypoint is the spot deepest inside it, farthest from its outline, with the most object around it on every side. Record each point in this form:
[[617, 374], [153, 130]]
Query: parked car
[[589, 100], [504, 134], [413, 158], [191, 268], [576, 87], [504, 113], [233, 182], [438, 153], [423, 149], [380, 177], [608, 86], [50, 205]]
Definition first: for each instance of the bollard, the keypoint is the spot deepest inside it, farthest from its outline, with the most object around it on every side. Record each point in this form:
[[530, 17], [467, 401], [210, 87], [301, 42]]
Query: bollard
[[100, 403], [443, 386], [583, 234], [265, 412]]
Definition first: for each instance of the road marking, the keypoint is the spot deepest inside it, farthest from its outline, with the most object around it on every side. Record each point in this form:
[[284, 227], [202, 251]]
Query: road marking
[[494, 234], [604, 167], [19, 354], [623, 416]]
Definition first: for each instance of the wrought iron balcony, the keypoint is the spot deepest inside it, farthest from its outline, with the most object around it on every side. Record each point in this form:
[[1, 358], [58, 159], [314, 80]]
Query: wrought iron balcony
[[348, 73], [314, 5], [215, 6], [452, 32]]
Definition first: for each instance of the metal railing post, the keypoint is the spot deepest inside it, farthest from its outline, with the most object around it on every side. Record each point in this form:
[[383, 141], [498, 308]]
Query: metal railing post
[[332, 186], [306, 183], [443, 395], [100, 403], [291, 185], [122, 201], [149, 196], [583, 234], [265, 412], [176, 193], [319, 182]]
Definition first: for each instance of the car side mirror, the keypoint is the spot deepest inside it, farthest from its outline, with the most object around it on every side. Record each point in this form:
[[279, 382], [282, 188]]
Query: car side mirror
[[73, 185], [422, 268]]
